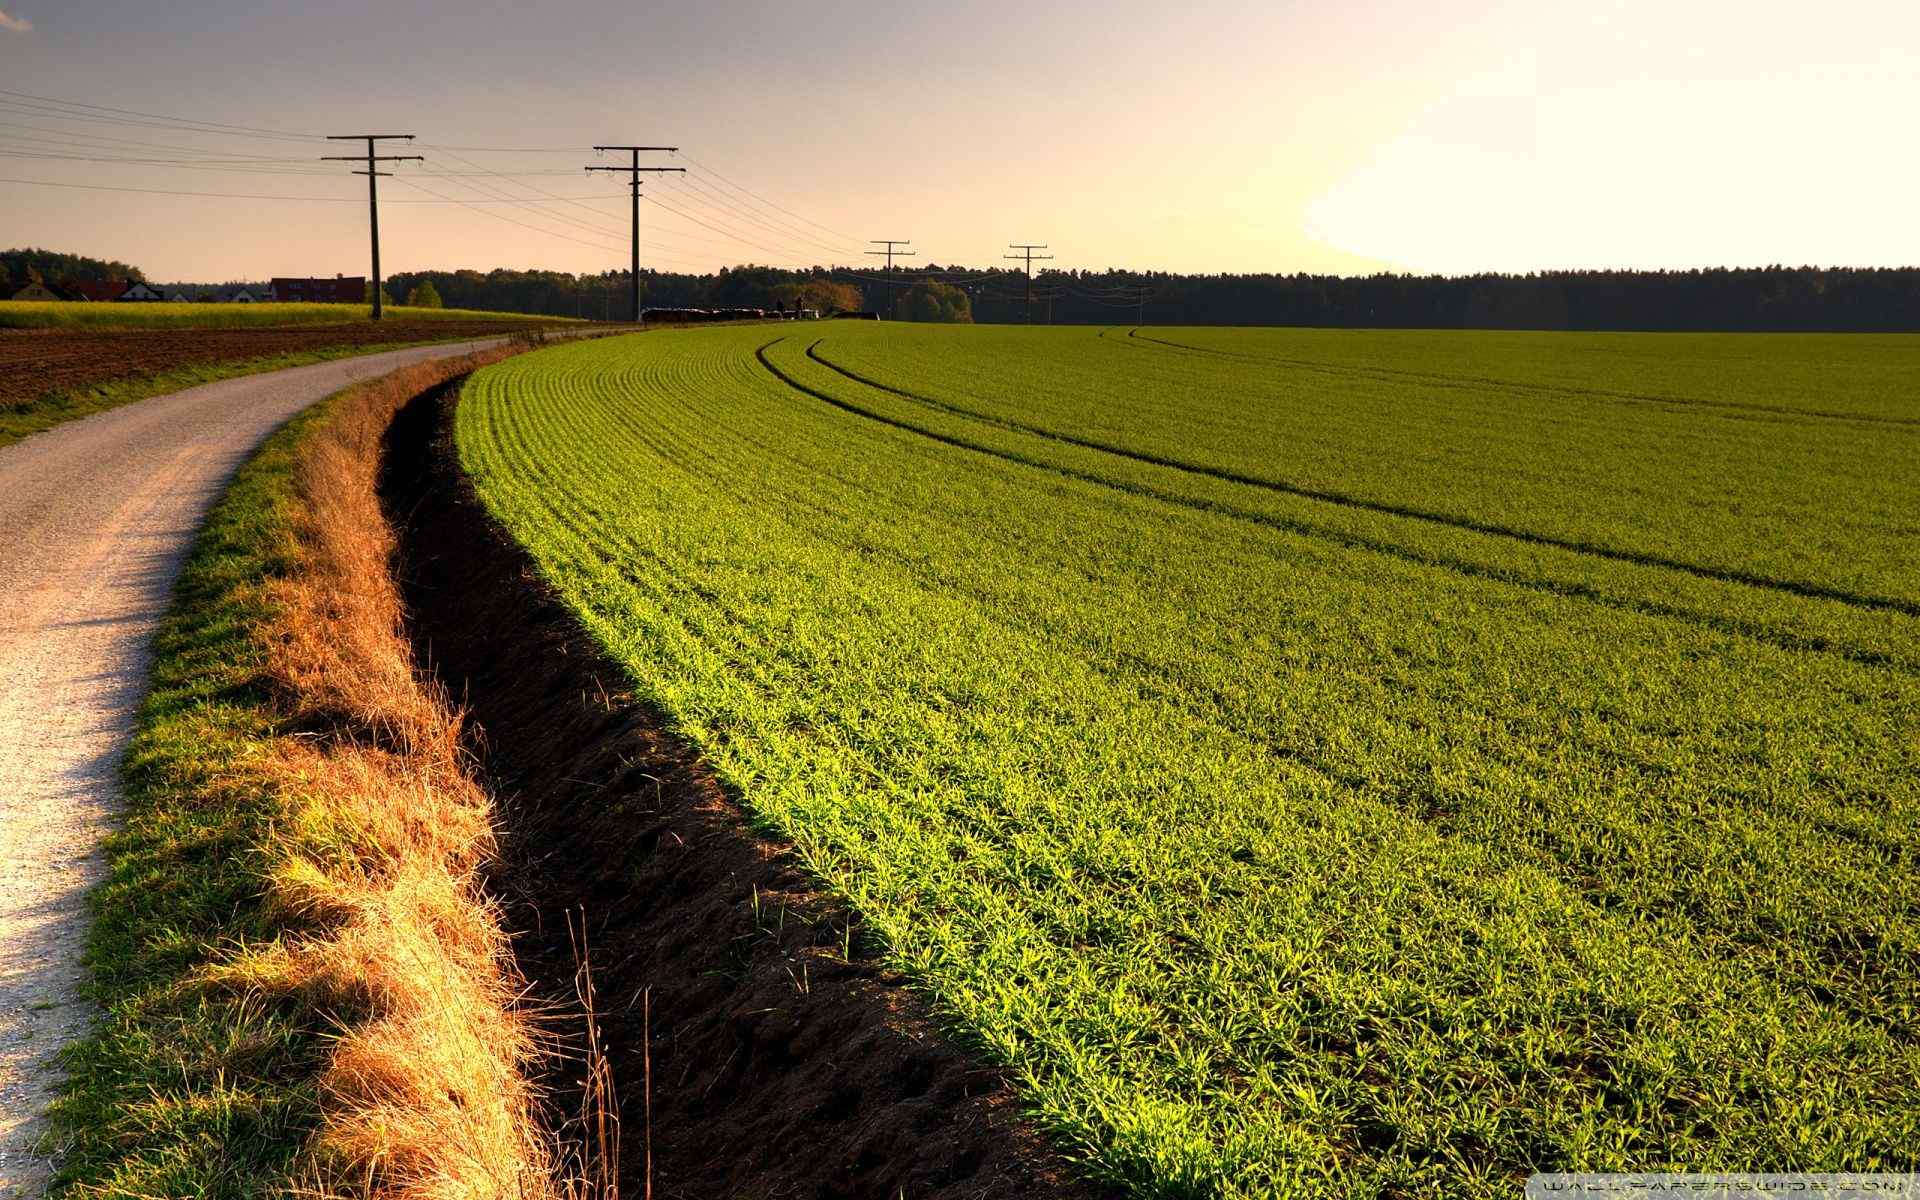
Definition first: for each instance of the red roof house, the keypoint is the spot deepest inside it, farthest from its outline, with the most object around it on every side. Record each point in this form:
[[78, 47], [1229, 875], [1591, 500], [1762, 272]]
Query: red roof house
[[338, 290], [100, 291]]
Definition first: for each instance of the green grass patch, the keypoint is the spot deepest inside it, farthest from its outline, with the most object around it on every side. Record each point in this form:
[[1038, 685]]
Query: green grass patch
[[58, 314], [185, 1090], [1319, 764]]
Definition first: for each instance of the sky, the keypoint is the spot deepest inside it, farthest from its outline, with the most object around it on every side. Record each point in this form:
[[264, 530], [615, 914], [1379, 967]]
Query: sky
[[1343, 136]]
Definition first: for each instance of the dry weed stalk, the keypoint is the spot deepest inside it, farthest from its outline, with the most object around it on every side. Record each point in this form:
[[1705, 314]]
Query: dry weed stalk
[[598, 1142]]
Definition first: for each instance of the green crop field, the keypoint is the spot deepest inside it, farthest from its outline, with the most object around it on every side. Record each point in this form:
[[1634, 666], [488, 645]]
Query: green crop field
[[57, 314], [1317, 762]]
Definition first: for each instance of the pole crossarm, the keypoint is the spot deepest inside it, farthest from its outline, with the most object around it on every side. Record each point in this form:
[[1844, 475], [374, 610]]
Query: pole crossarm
[[373, 174]]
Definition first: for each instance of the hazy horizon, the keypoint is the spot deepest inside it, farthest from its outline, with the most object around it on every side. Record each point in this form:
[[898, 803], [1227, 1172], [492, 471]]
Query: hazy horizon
[[1496, 135]]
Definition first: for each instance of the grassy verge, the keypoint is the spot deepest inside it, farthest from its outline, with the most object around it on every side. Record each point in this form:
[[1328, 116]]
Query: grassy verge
[[17, 422], [182, 1091], [302, 984], [49, 314]]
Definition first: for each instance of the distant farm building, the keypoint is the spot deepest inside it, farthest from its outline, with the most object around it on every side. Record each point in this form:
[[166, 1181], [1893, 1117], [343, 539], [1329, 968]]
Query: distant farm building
[[97, 291], [110, 291], [235, 294], [36, 291], [341, 289]]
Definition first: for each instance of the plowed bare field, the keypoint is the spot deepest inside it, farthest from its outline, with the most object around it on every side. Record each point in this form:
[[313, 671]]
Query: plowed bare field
[[36, 363]]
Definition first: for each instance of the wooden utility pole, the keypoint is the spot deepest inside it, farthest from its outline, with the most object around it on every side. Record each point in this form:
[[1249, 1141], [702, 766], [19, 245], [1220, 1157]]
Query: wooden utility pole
[[892, 252], [634, 171], [1028, 256], [373, 174]]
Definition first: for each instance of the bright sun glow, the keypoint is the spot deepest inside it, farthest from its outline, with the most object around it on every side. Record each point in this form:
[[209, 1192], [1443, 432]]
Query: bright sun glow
[[1654, 134]]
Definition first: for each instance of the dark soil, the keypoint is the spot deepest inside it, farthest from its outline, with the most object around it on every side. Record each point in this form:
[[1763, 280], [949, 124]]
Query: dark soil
[[780, 1066], [37, 363]]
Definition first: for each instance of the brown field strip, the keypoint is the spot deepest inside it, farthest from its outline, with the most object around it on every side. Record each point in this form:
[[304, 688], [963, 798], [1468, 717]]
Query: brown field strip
[[36, 363]]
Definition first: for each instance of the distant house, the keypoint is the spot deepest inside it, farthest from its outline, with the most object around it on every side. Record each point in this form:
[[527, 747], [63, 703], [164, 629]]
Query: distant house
[[341, 289], [109, 291], [97, 291], [236, 294], [180, 295], [36, 291]]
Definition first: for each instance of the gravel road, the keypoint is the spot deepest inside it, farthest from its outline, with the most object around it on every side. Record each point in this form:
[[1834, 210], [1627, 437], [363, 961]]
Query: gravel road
[[95, 519]]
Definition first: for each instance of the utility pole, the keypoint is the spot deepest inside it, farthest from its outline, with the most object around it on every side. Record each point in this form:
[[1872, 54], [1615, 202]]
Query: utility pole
[[373, 174], [892, 252], [1143, 305], [1028, 256], [634, 170]]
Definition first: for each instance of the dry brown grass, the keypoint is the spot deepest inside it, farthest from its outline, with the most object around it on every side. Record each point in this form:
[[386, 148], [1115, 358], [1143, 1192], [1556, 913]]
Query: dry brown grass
[[427, 1093]]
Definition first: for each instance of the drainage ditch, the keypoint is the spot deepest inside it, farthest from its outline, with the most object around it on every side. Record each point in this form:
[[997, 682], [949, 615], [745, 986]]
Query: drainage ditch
[[780, 1063]]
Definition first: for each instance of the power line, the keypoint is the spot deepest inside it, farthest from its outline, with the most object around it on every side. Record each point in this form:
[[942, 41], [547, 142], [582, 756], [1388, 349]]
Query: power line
[[891, 250], [223, 159], [67, 144], [101, 187], [74, 140], [763, 236], [1029, 257], [659, 203], [634, 170], [778, 229], [532, 187], [731, 238], [784, 231], [204, 165], [501, 149], [443, 198], [373, 174], [250, 129], [475, 206], [47, 109], [770, 204], [495, 195]]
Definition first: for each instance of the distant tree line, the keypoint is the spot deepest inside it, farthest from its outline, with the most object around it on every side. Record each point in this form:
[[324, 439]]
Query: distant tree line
[[1811, 299], [1758, 299], [1773, 299], [604, 296], [20, 267]]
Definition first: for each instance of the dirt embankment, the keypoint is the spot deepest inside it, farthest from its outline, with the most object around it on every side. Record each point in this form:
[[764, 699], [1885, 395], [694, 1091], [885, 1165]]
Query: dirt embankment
[[35, 363], [758, 1047]]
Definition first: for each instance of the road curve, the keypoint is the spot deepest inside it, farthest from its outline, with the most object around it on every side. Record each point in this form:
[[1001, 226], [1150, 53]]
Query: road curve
[[96, 517]]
